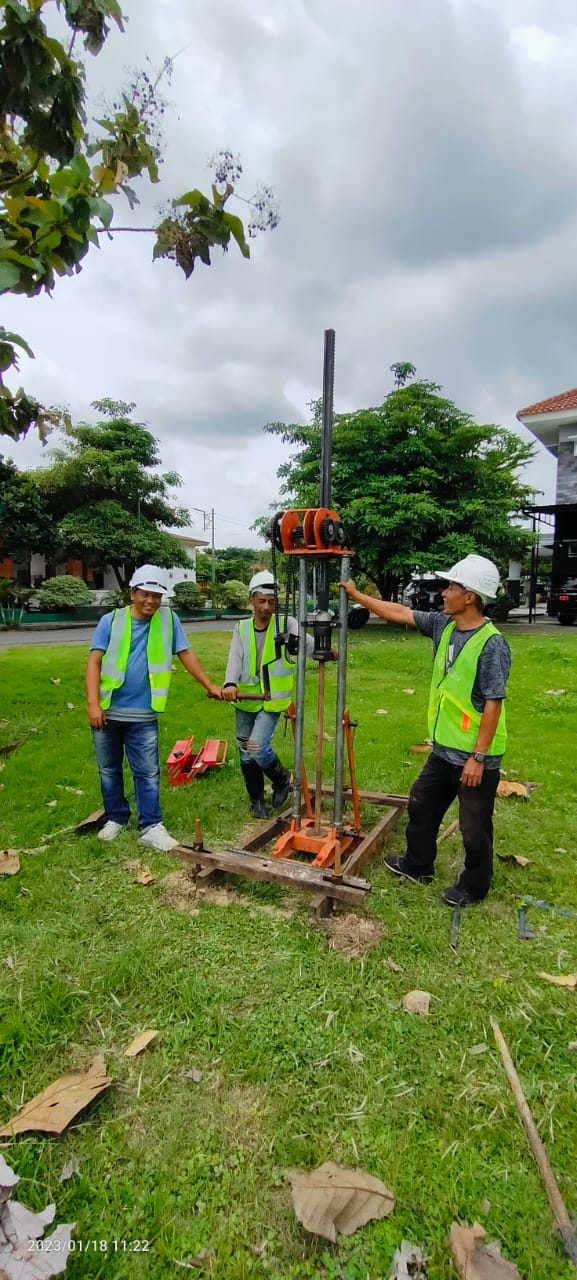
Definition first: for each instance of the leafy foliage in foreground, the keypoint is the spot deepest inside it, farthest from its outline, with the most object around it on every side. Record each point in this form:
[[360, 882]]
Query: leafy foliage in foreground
[[54, 202]]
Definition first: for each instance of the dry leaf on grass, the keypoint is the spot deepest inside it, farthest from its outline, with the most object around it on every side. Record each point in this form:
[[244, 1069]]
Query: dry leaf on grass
[[572, 1046], [408, 691], [392, 964], [54, 1108], [555, 693], [9, 862], [69, 1170], [478, 1261], [421, 748], [327, 737], [561, 979], [143, 873], [417, 1002], [139, 1043], [560, 850], [70, 706], [54, 679], [506, 788], [193, 1074], [515, 859], [408, 1263], [332, 1200], [381, 712], [19, 1228]]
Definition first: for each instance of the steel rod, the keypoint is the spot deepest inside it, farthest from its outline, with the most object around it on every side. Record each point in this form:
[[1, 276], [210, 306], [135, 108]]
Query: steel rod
[[300, 693], [327, 418], [319, 755], [341, 696]]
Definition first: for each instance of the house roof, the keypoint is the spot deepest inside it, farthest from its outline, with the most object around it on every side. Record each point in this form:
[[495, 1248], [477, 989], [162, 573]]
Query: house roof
[[555, 404], [189, 539]]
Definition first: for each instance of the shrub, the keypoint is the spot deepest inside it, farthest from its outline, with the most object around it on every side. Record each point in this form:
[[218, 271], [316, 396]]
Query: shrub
[[234, 594], [187, 595], [65, 592], [13, 600], [116, 599]]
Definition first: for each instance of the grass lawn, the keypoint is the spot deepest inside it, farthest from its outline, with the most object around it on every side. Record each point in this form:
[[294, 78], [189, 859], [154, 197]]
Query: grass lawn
[[306, 1055]]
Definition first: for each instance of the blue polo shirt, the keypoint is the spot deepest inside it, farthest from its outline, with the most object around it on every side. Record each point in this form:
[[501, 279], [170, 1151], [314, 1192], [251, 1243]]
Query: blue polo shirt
[[132, 701]]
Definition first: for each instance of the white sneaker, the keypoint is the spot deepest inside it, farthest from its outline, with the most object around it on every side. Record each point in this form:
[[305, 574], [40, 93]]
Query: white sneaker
[[110, 830], [157, 837]]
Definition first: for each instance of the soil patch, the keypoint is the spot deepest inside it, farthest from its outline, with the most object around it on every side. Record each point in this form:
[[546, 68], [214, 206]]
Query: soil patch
[[352, 934]]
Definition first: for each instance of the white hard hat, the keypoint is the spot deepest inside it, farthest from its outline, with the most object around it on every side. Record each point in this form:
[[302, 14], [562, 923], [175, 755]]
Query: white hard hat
[[263, 582], [476, 573], [149, 578]]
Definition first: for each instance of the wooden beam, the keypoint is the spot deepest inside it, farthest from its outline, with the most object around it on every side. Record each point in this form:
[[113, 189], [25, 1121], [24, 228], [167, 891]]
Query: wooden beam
[[298, 875], [372, 843], [373, 797]]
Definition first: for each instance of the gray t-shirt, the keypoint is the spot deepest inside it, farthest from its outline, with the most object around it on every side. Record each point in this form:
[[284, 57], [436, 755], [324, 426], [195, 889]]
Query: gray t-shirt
[[493, 669]]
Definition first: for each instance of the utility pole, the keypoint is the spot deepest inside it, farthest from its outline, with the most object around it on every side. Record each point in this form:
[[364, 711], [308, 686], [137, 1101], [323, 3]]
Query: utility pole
[[208, 520]]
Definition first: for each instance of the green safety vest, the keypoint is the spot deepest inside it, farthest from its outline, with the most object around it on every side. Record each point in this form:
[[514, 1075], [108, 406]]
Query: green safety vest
[[158, 654], [277, 685], [453, 720]]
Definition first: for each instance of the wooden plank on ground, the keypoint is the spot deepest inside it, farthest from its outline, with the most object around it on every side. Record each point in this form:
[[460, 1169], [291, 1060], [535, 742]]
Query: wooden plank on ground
[[298, 875], [372, 843], [372, 797]]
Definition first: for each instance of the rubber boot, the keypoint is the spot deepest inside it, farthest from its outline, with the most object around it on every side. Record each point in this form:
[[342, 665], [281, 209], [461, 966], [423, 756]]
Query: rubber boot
[[254, 783], [281, 782]]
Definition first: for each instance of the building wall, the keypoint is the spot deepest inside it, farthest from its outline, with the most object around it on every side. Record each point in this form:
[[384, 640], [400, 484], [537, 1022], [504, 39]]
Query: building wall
[[567, 471]]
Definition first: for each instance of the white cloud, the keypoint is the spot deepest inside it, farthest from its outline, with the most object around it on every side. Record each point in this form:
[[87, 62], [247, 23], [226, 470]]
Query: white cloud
[[423, 155]]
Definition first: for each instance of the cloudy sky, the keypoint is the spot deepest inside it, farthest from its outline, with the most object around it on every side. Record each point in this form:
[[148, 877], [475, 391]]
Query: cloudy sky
[[424, 155]]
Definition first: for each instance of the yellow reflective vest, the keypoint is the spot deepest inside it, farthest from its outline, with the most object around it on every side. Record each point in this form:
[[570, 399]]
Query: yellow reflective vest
[[158, 654], [453, 720], [275, 680]]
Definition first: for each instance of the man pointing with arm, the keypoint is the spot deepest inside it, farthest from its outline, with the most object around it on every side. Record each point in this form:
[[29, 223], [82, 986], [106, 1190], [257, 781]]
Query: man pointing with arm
[[471, 664]]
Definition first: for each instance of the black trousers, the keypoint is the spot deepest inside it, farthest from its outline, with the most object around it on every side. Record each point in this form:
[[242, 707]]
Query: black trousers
[[433, 791]]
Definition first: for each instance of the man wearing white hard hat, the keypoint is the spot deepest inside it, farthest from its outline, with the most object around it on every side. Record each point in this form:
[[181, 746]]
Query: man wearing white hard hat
[[253, 667], [127, 682], [471, 664]]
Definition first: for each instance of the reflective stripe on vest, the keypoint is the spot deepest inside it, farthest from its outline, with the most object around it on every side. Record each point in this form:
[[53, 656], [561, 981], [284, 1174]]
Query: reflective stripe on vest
[[158, 656], [453, 720], [276, 688]]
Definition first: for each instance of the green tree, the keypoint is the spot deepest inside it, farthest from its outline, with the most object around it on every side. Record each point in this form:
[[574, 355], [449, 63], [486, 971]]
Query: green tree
[[417, 481], [25, 524], [64, 592], [55, 202], [108, 500]]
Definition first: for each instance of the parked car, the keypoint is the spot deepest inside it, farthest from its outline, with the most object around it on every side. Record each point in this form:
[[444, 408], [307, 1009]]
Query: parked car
[[562, 602], [424, 592]]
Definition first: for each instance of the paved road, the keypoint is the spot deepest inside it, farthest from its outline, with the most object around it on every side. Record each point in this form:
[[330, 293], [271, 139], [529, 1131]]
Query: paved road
[[518, 624], [83, 635]]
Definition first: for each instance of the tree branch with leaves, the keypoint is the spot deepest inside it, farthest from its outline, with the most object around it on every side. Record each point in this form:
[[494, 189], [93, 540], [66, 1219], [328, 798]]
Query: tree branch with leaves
[[55, 202]]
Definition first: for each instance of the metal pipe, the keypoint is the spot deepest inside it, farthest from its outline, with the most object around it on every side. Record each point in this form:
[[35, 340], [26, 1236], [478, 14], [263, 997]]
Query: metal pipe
[[319, 758], [341, 695], [327, 419], [300, 693], [326, 455]]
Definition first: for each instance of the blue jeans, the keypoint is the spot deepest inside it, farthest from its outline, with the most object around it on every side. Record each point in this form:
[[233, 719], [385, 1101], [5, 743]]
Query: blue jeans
[[139, 738], [254, 730]]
